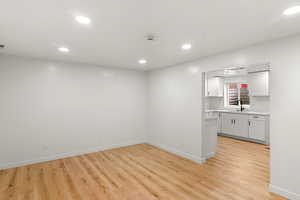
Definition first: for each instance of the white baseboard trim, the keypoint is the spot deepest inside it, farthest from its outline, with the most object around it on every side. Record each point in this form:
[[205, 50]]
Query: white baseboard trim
[[209, 155], [180, 153], [66, 155], [283, 192]]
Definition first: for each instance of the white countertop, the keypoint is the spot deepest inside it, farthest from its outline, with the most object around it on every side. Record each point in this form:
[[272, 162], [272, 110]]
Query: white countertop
[[211, 118], [238, 112]]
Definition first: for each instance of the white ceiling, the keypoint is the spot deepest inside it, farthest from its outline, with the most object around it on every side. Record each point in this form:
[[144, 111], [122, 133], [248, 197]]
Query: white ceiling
[[116, 36]]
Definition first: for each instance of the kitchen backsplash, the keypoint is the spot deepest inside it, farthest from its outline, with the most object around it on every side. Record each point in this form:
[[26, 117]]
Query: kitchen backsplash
[[214, 103], [258, 104]]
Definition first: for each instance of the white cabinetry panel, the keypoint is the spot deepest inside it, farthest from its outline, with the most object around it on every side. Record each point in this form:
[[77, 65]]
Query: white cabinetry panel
[[227, 124], [257, 128], [253, 127], [241, 126], [215, 87], [235, 124], [259, 83]]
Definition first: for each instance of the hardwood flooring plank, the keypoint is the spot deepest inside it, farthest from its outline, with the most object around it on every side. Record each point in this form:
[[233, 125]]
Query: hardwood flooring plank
[[239, 171]]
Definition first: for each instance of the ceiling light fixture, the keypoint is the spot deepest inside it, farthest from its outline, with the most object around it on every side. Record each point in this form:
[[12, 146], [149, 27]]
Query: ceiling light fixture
[[193, 69], [292, 10], [63, 49], [186, 46], [83, 20], [142, 61]]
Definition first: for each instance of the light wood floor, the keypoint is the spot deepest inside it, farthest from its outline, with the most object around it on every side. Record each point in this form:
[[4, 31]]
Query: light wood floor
[[143, 172]]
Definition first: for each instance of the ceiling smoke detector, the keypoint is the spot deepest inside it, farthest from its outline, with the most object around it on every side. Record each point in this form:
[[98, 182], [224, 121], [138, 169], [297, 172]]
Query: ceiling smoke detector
[[150, 37]]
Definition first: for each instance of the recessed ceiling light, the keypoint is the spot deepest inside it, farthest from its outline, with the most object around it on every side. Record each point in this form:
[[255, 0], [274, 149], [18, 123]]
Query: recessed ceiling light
[[142, 61], [63, 49], [83, 20], [193, 70], [186, 46], [292, 10]]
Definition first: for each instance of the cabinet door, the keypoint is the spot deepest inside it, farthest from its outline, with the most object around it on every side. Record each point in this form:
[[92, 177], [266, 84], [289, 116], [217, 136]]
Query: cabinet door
[[259, 83], [215, 87], [227, 124], [241, 126], [257, 129]]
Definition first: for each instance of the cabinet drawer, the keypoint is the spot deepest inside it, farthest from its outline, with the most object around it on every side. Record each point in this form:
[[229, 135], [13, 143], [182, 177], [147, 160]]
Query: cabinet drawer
[[235, 116], [257, 117]]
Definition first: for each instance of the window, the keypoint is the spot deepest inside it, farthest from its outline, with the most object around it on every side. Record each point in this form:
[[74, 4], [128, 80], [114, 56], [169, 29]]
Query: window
[[236, 94], [233, 94], [244, 94]]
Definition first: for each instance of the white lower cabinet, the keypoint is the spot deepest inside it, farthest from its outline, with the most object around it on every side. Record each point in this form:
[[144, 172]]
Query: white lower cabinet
[[234, 124], [227, 125], [245, 126], [257, 128], [241, 126]]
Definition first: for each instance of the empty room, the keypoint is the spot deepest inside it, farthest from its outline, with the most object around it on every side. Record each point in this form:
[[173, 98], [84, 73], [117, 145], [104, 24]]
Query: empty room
[[149, 100]]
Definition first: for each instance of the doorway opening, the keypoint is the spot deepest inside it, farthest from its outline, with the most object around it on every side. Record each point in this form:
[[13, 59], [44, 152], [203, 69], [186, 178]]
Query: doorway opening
[[235, 118], [236, 104]]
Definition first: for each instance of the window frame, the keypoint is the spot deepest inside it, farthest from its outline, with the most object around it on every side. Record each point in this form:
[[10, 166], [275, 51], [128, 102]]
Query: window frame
[[226, 98]]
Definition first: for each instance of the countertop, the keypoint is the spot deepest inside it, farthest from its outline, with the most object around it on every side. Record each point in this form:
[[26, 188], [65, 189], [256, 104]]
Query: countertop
[[211, 118], [238, 112]]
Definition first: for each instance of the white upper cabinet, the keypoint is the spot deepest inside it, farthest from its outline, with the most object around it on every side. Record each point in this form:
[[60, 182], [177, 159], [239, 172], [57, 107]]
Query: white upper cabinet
[[215, 87], [259, 83]]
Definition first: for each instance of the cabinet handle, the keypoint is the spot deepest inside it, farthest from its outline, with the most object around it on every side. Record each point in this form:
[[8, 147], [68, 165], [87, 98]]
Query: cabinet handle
[[249, 123]]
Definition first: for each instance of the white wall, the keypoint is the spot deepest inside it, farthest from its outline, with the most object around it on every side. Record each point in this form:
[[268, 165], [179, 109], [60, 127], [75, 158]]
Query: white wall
[[49, 108], [175, 111], [175, 106]]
